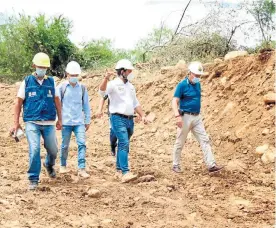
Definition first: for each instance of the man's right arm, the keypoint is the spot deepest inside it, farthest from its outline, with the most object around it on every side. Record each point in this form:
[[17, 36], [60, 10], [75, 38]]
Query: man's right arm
[[175, 105], [100, 109], [103, 85], [18, 105], [17, 111], [176, 99]]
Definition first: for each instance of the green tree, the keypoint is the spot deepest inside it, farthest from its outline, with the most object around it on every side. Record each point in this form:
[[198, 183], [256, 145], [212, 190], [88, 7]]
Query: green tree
[[96, 53], [202, 46], [263, 12], [158, 38], [23, 36], [100, 53]]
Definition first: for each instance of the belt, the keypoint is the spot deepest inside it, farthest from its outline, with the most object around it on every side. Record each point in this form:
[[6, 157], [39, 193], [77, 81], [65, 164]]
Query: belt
[[189, 113], [124, 116]]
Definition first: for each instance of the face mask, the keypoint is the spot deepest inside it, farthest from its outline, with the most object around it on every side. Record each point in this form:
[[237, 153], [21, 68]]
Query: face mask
[[40, 72], [130, 77], [74, 80], [195, 80]]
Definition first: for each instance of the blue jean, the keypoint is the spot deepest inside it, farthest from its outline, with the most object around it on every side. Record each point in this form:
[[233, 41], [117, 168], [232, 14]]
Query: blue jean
[[33, 133], [113, 141], [79, 132], [123, 129]]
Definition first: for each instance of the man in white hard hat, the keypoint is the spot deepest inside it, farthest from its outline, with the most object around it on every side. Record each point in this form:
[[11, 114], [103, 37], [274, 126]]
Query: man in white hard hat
[[75, 117], [123, 104], [186, 106], [41, 104]]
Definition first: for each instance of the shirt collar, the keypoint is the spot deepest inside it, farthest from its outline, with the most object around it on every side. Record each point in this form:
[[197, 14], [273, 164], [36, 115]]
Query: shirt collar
[[45, 77], [188, 81], [121, 81], [67, 83]]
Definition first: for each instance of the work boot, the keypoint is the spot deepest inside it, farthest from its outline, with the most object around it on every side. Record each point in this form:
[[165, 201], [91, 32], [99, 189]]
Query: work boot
[[128, 177], [215, 168], [50, 170], [176, 169], [33, 185], [82, 173], [63, 169]]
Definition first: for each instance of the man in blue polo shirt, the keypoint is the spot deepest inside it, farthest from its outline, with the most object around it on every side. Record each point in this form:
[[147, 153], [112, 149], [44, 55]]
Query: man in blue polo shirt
[[186, 107]]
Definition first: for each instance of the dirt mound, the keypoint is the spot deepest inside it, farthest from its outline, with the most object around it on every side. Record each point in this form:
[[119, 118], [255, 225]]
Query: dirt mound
[[237, 120]]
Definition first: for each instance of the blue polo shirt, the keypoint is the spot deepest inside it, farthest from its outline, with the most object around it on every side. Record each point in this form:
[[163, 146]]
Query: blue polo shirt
[[189, 95]]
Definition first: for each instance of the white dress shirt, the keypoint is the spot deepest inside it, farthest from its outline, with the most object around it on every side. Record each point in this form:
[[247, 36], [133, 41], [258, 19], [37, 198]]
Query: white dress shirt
[[122, 97]]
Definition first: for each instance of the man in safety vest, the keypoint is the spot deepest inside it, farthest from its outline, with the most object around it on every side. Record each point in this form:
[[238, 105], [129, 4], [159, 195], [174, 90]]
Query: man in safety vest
[[40, 106]]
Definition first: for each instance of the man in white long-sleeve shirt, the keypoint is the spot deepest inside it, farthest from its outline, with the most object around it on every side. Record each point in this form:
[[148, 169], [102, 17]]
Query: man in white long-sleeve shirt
[[123, 104]]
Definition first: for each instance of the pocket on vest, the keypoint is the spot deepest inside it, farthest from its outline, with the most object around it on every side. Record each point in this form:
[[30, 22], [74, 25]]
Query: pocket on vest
[[33, 105]]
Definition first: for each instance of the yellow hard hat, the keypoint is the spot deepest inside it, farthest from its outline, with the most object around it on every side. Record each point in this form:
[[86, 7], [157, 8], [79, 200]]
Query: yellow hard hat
[[41, 59]]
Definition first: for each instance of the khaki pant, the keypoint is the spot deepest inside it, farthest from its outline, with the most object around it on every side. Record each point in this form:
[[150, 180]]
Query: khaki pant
[[194, 124]]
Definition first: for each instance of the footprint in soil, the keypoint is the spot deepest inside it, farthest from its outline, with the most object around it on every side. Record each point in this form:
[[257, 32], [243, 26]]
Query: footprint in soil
[[44, 189]]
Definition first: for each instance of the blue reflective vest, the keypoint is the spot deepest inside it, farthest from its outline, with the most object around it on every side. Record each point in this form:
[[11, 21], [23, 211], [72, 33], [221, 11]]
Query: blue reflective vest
[[39, 102]]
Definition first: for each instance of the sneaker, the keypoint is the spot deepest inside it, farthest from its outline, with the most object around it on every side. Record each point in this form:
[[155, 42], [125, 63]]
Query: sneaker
[[128, 177], [176, 169], [82, 173], [63, 169], [215, 169], [118, 174], [50, 170], [33, 185]]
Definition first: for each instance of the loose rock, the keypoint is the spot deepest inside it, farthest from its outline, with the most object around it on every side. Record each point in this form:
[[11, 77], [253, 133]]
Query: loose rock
[[147, 178], [94, 193], [260, 150], [269, 98], [268, 156]]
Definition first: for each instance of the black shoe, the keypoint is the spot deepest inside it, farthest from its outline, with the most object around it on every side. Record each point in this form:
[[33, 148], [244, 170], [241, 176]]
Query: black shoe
[[113, 153], [113, 150], [215, 168], [50, 170]]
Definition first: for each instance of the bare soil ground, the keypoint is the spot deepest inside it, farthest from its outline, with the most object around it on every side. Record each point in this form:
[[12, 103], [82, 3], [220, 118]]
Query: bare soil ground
[[235, 117]]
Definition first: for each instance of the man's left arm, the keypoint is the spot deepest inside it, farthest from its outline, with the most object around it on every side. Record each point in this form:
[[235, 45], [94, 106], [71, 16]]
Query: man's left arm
[[58, 107], [138, 109], [86, 110]]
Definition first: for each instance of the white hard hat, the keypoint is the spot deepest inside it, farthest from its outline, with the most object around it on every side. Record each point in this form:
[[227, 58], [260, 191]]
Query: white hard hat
[[73, 68], [196, 68], [124, 63]]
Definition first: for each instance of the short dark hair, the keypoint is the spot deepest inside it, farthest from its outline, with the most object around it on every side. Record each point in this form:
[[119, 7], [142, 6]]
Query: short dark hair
[[119, 71]]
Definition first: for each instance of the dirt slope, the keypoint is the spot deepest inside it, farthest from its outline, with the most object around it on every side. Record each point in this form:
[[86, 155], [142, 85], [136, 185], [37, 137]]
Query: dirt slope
[[235, 117]]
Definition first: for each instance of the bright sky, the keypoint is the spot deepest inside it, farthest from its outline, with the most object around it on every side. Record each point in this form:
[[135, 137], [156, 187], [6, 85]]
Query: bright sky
[[123, 21]]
